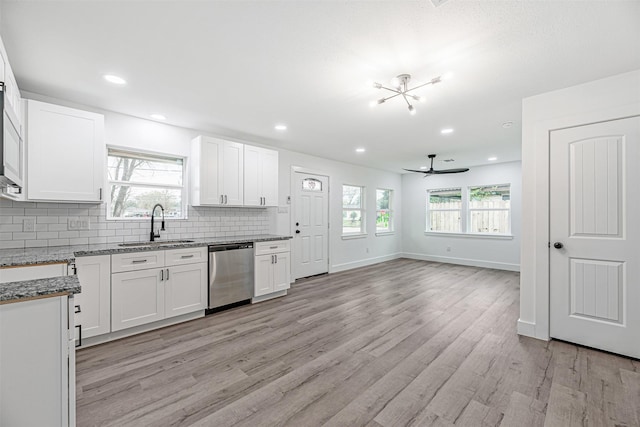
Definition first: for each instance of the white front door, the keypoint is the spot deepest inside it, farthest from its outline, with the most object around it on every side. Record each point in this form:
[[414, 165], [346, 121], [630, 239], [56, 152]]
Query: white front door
[[595, 235], [311, 225]]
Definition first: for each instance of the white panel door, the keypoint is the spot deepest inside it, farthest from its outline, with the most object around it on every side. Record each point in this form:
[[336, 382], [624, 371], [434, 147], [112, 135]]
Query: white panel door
[[137, 298], [185, 289], [311, 213], [595, 235]]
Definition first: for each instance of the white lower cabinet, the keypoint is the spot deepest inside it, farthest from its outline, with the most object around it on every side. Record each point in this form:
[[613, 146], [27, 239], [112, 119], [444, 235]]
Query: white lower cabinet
[[93, 305], [137, 297], [147, 295], [272, 267], [37, 363], [185, 289]]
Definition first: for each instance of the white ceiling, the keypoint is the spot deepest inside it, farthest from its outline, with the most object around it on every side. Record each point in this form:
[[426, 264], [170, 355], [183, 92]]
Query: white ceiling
[[236, 68]]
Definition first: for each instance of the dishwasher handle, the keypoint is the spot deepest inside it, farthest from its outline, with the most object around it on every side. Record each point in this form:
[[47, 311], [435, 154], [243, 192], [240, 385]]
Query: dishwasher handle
[[230, 247]]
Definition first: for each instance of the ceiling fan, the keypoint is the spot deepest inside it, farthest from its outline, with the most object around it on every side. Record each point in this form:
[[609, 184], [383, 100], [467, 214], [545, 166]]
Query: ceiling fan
[[432, 171]]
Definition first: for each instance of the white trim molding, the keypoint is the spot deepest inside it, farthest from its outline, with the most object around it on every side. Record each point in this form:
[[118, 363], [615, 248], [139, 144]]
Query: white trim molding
[[528, 329], [464, 261], [364, 262]]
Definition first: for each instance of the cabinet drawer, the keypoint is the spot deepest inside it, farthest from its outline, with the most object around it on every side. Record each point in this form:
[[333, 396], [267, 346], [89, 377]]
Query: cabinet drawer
[[262, 248], [185, 256], [136, 261]]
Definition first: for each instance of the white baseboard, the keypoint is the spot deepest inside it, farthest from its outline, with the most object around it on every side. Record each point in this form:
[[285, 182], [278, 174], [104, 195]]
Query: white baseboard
[[268, 297], [464, 261], [528, 329], [363, 262], [100, 339]]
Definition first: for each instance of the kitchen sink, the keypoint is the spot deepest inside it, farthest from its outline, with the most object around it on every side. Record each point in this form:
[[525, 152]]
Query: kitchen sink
[[161, 243]]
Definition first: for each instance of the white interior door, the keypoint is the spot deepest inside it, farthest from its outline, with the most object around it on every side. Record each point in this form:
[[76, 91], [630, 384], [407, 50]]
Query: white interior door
[[311, 221], [595, 235]]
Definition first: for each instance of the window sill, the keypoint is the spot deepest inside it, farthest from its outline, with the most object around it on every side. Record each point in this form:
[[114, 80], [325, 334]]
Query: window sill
[[472, 235], [385, 233], [354, 236]]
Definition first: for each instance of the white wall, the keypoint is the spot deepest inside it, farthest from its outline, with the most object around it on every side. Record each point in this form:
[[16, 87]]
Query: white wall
[[605, 99], [132, 132], [483, 252], [351, 253]]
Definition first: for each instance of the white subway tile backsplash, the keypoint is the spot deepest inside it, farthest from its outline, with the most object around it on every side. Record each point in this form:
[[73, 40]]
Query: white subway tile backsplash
[[52, 227]]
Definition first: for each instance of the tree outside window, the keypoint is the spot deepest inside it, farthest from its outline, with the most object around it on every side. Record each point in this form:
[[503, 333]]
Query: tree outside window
[[384, 216], [137, 181], [352, 211]]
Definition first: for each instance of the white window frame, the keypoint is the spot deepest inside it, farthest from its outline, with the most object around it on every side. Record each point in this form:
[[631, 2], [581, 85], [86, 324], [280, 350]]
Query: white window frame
[[389, 230], [428, 211], [363, 222], [465, 214], [151, 154]]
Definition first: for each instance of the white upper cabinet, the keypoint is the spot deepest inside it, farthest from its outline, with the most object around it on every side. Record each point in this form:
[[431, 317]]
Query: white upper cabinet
[[65, 154], [216, 172], [260, 176], [12, 155]]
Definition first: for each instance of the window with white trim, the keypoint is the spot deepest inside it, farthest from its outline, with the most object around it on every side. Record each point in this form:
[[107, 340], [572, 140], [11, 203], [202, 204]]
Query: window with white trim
[[352, 210], [384, 212], [480, 209], [137, 181], [490, 209], [444, 210]]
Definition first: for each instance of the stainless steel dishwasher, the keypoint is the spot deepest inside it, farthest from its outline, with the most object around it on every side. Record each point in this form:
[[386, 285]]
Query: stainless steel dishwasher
[[230, 275]]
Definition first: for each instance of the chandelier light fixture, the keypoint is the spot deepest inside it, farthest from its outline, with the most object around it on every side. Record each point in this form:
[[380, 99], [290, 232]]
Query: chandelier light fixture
[[400, 87]]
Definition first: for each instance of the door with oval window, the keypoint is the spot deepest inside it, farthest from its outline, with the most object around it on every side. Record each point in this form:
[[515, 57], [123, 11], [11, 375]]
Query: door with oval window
[[311, 225]]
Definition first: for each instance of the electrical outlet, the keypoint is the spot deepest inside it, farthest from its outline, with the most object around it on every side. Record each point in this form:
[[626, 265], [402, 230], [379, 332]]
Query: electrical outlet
[[78, 224], [448, 248], [29, 224]]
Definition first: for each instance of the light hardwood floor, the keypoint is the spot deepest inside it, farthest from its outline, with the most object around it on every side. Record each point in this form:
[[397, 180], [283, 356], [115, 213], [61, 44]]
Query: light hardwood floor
[[402, 343]]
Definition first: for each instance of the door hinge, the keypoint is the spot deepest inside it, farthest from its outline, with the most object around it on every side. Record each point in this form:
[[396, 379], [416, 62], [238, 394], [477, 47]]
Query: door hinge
[[549, 245]]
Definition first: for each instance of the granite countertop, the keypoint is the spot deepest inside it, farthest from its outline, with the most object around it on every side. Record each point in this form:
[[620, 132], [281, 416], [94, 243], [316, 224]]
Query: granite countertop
[[39, 288], [62, 254]]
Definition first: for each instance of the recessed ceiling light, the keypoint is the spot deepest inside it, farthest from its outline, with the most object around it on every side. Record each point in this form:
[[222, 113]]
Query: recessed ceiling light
[[280, 127], [114, 79], [158, 117], [507, 125], [491, 159], [446, 131], [360, 150]]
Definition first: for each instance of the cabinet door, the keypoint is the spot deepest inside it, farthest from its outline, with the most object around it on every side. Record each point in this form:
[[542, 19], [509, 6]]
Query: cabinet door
[[186, 289], [233, 174], [68, 145], [34, 371], [281, 269], [269, 177], [208, 182], [94, 273], [263, 276], [252, 174], [137, 297]]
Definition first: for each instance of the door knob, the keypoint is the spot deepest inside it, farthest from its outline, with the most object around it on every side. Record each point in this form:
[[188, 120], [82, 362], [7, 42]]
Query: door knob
[[297, 231], [297, 224], [558, 245]]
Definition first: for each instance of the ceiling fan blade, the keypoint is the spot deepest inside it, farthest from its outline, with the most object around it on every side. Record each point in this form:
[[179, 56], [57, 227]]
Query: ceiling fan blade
[[451, 171], [429, 172]]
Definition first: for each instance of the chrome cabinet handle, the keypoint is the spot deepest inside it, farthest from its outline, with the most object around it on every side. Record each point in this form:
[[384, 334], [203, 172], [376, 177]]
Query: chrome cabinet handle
[[186, 256], [221, 199], [271, 259], [100, 193], [276, 255], [161, 275], [138, 261], [225, 200], [167, 274]]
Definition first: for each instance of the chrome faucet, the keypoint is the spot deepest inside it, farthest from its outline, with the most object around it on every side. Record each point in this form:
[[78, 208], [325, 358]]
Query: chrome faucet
[[154, 235]]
